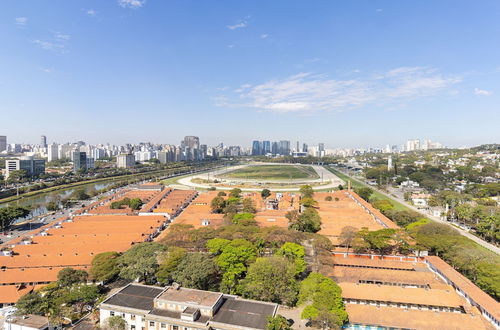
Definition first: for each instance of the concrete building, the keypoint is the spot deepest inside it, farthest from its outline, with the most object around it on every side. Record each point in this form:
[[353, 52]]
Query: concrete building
[[43, 141], [52, 152], [64, 151], [125, 161], [3, 143], [32, 167], [174, 308], [192, 142], [256, 148]]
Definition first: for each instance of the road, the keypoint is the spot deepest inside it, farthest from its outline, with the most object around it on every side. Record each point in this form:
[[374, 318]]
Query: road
[[465, 233]]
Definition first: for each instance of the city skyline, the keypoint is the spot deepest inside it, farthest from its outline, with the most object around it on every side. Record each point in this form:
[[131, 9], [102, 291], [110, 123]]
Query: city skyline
[[125, 71]]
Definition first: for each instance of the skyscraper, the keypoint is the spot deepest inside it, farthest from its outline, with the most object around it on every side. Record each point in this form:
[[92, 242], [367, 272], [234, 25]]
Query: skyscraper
[[3, 143], [192, 142], [52, 153], [79, 160], [266, 147], [256, 148], [284, 147], [43, 141], [274, 148]]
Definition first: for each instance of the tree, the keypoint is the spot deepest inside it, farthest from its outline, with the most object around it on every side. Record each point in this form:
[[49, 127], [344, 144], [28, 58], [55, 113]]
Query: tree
[[295, 253], [308, 202], [248, 205], [17, 176], [217, 205], [347, 236], [105, 266], [52, 206], [197, 271], [277, 322], [328, 198], [271, 279], [169, 264], [221, 194], [67, 277], [306, 191], [232, 257], [324, 297], [10, 213], [30, 303], [364, 193], [265, 193], [307, 221], [140, 261], [244, 218], [115, 323], [341, 187], [79, 195], [236, 192]]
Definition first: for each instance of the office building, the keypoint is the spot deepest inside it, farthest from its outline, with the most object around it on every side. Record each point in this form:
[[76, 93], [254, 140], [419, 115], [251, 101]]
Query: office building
[[151, 307], [79, 160], [3, 143], [266, 147], [192, 142], [125, 161], [256, 148], [32, 167], [284, 147]]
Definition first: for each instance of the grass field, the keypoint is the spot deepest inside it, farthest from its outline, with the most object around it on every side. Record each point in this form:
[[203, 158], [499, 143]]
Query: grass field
[[358, 184], [273, 172]]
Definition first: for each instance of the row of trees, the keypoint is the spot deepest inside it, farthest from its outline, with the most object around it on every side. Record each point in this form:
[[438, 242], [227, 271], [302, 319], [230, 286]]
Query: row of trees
[[133, 203], [10, 213]]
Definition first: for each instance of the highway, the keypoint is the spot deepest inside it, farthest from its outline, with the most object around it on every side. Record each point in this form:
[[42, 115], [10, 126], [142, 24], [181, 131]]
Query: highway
[[465, 233]]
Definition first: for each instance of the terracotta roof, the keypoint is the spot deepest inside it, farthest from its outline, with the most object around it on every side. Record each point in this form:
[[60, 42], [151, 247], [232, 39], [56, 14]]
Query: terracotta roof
[[11, 293], [460, 281], [430, 297], [413, 319]]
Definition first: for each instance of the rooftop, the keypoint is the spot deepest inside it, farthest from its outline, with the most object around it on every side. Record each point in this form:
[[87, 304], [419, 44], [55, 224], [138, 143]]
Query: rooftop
[[31, 321], [190, 296], [135, 296], [244, 313]]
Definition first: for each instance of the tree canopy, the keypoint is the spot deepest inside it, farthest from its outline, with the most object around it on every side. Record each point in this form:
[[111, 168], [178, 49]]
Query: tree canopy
[[140, 261]]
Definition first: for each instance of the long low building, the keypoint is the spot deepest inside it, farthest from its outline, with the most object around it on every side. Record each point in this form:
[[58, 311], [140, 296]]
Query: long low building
[[175, 308]]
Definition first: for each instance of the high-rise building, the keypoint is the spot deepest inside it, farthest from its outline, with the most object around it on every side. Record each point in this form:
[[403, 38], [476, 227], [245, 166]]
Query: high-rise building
[[266, 147], [284, 147], [79, 160], [43, 141], [3, 143], [412, 145], [304, 148], [192, 142], [52, 153], [256, 148], [125, 161], [32, 167], [274, 148], [297, 148]]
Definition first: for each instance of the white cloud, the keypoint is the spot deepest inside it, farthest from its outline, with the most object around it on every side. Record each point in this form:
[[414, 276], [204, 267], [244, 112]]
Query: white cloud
[[264, 36], [379, 10], [46, 70], [310, 93], [52, 46], [91, 12], [230, 46], [240, 25], [481, 92], [131, 3], [61, 36], [21, 21]]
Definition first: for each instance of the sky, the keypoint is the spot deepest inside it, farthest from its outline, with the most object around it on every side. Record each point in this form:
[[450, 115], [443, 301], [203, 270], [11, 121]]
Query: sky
[[345, 73]]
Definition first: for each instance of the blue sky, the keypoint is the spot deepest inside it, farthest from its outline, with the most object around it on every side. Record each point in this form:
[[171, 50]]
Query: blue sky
[[347, 73]]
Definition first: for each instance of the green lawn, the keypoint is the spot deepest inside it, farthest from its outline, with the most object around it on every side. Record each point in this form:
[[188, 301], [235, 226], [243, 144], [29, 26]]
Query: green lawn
[[358, 184], [273, 172]]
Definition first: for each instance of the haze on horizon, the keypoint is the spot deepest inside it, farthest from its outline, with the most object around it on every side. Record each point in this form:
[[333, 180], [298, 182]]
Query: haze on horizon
[[348, 74]]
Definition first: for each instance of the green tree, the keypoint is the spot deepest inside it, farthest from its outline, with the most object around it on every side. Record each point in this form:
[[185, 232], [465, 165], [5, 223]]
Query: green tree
[[244, 218], [277, 322], [10, 213], [271, 279], [197, 271], [218, 204], [236, 192], [328, 198], [17, 176], [79, 195], [308, 202], [347, 236], [169, 264], [52, 206], [115, 323], [30, 303], [140, 262], [67, 277], [364, 193], [306, 191], [232, 257], [248, 205], [265, 193], [324, 299], [296, 254], [105, 266], [307, 221]]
